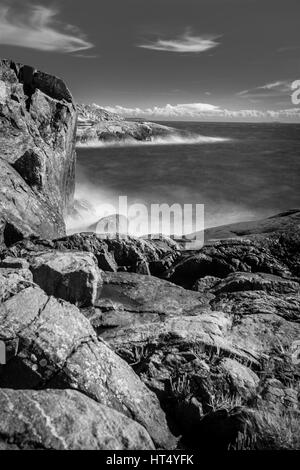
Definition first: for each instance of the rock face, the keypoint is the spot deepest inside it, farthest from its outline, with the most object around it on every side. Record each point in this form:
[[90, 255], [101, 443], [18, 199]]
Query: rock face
[[37, 155], [22, 211], [65, 420]]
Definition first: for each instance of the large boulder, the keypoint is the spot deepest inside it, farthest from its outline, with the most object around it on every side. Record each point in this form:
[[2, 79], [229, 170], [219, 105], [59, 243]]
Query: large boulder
[[50, 344], [37, 152], [65, 420], [72, 276], [131, 299]]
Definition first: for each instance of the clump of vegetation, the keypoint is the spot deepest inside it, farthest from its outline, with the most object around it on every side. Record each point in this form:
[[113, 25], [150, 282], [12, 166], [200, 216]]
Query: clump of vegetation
[[226, 402], [141, 353], [180, 386]]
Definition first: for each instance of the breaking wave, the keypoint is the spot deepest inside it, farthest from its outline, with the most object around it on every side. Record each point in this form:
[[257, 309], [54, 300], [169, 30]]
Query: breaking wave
[[167, 140]]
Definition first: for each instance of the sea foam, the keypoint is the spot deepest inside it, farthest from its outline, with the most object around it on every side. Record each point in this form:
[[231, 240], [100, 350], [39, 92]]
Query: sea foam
[[175, 139]]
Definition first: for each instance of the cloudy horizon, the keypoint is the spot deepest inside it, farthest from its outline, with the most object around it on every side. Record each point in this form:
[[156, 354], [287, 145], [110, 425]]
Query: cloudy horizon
[[172, 60]]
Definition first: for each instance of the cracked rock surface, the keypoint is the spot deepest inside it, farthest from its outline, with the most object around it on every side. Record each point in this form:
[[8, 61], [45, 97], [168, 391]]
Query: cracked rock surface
[[65, 420], [55, 346]]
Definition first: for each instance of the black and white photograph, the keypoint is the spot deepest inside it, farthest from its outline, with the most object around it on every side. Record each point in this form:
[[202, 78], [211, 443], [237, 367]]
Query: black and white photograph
[[149, 228]]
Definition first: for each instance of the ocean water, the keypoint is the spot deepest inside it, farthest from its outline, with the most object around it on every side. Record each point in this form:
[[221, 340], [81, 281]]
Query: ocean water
[[238, 171]]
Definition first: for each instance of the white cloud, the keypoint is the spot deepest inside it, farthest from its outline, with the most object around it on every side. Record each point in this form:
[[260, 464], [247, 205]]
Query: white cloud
[[269, 89], [273, 85], [38, 28], [167, 111], [198, 111], [185, 43]]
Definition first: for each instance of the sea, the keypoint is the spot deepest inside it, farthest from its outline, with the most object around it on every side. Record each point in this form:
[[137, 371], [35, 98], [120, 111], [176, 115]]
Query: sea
[[237, 171]]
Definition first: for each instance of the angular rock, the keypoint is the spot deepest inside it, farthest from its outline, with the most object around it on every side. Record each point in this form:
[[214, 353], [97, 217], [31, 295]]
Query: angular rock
[[259, 334], [65, 420], [131, 299], [72, 276], [57, 348], [244, 380], [205, 284]]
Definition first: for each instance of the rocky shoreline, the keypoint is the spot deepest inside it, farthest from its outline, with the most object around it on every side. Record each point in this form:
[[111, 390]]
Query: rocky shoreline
[[130, 343], [97, 126]]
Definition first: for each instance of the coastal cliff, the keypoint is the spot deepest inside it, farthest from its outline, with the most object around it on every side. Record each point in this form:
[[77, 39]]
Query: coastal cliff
[[96, 125], [131, 343], [37, 152]]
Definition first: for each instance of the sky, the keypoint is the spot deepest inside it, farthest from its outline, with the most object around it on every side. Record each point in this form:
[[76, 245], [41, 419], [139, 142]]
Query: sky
[[215, 60]]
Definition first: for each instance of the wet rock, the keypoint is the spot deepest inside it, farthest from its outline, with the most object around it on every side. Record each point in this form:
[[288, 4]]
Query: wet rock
[[65, 420]]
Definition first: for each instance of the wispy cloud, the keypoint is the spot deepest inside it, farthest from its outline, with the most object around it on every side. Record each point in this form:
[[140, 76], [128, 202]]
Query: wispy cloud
[[205, 111], [38, 28], [86, 56], [185, 43], [276, 88]]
